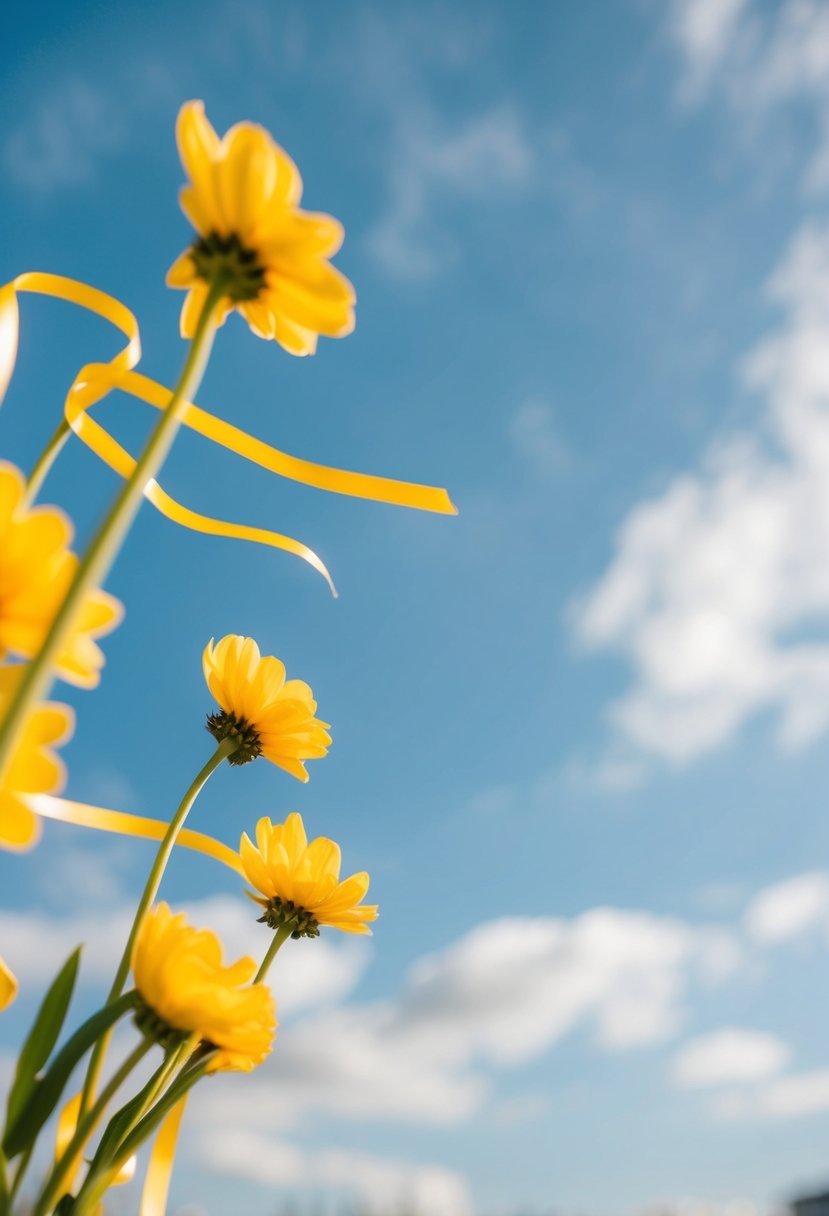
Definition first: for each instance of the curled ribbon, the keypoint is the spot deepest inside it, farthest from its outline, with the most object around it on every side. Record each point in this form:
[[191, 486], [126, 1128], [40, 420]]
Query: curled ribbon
[[122, 824], [95, 380]]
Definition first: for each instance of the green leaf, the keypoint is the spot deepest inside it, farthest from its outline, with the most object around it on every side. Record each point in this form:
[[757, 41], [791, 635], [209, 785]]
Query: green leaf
[[4, 1186], [43, 1036], [46, 1091]]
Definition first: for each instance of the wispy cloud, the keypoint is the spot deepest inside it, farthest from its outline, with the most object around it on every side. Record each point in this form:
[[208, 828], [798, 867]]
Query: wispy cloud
[[61, 142], [790, 909], [438, 158], [729, 1055], [705, 31], [74, 126], [381, 1183], [536, 438], [718, 594], [433, 162], [792, 1097], [784, 914], [760, 60]]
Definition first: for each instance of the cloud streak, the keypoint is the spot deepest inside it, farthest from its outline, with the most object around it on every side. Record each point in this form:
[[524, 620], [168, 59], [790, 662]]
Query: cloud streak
[[432, 163]]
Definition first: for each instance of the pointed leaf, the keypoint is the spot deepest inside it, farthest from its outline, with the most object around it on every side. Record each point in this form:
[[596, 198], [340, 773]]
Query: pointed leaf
[[46, 1091], [4, 1186], [43, 1035]]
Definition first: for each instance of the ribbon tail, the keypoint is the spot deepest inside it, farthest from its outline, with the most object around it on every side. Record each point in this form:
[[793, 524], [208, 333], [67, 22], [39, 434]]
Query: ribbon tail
[[122, 824], [160, 1167], [9, 332], [216, 527]]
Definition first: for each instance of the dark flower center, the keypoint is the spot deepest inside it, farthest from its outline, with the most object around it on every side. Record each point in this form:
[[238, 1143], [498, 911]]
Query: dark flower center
[[280, 913], [226, 725], [225, 257], [154, 1027]]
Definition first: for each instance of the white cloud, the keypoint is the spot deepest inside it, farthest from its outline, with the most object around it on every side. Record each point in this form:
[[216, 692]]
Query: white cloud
[[692, 1206], [500, 996], [432, 163], [382, 1184], [728, 1055], [762, 60], [704, 30], [792, 1097], [718, 590], [789, 909]]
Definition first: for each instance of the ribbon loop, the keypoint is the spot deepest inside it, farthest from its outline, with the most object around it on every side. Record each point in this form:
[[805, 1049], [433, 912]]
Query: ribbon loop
[[95, 381]]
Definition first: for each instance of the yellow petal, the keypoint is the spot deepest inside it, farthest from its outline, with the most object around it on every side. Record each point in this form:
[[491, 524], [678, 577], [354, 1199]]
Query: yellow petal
[[19, 828], [192, 308], [182, 273], [8, 986], [199, 147]]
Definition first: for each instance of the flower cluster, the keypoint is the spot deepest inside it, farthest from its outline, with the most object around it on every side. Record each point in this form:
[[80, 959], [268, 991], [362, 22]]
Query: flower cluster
[[255, 251]]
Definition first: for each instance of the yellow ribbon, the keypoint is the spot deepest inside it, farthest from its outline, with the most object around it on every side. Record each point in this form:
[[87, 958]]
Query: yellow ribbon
[[160, 1166], [95, 380], [122, 824]]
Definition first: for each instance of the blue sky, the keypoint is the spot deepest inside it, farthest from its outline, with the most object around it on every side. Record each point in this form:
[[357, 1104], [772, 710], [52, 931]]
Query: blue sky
[[580, 730]]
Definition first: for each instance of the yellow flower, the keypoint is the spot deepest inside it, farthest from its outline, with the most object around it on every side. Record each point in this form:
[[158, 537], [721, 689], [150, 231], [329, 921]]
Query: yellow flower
[[300, 882], [269, 715], [8, 986], [36, 567], [273, 258], [180, 977], [33, 767]]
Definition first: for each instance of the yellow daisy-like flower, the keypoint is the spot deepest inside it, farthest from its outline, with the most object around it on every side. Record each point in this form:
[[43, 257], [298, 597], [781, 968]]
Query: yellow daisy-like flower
[[36, 567], [181, 980], [33, 767], [299, 883], [268, 715], [272, 257], [8, 986]]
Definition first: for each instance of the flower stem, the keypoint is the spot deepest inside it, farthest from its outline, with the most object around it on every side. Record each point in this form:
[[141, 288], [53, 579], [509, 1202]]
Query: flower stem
[[225, 748], [103, 549], [279, 938], [86, 1125], [46, 459], [101, 1174]]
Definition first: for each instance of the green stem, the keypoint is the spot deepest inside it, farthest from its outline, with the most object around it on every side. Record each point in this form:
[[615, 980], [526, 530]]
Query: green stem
[[86, 1125], [46, 459], [178, 1056], [225, 748], [279, 938], [103, 549], [102, 1173]]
